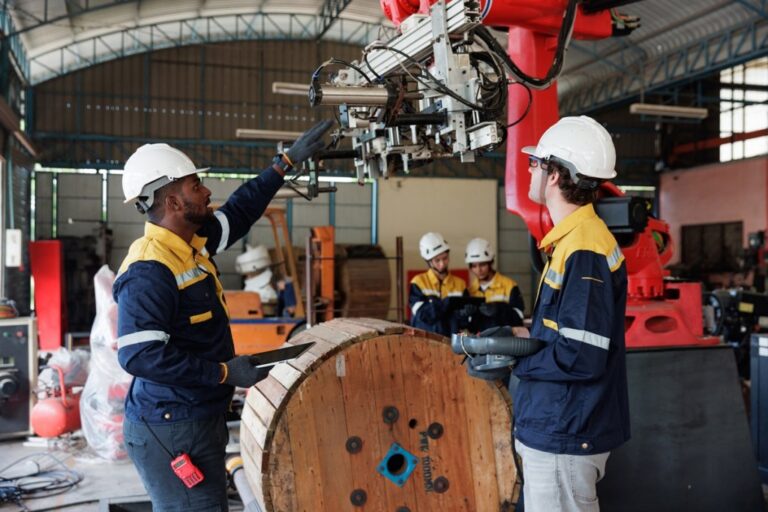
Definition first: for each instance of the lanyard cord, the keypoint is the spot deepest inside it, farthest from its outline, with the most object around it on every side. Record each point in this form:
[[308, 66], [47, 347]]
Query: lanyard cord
[[157, 438]]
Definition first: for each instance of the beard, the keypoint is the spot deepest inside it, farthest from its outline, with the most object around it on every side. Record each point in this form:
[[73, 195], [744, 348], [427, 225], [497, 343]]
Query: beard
[[196, 214]]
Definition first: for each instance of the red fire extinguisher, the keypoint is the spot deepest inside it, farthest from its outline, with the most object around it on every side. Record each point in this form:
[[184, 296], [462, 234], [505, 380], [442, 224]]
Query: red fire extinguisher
[[57, 414]]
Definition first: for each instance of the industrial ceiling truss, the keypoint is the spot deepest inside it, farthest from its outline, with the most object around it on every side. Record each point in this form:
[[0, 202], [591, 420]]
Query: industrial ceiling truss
[[716, 52]]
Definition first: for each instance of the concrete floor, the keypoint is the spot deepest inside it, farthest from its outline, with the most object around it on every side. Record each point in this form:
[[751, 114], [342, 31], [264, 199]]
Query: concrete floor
[[102, 479]]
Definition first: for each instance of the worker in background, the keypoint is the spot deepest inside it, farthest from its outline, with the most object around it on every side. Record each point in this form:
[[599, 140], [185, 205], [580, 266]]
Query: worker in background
[[571, 402], [254, 265], [503, 300], [173, 326], [431, 290]]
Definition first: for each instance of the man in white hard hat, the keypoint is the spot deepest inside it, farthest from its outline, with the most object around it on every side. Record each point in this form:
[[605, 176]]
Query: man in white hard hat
[[429, 290], [173, 325], [254, 265], [571, 402], [503, 300]]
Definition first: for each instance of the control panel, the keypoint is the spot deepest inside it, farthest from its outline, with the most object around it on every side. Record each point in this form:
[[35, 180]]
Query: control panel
[[18, 375]]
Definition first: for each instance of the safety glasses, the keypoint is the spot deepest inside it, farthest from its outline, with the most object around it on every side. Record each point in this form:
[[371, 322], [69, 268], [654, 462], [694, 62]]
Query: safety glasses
[[534, 162]]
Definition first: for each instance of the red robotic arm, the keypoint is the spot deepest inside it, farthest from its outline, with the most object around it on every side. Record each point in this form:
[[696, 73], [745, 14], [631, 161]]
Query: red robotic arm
[[659, 312]]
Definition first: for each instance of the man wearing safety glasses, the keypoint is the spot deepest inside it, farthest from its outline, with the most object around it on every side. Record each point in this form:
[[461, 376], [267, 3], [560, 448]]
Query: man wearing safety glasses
[[571, 404]]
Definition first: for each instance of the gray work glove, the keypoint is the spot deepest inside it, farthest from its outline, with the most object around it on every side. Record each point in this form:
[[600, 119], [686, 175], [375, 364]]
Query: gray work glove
[[241, 373], [308, 143]]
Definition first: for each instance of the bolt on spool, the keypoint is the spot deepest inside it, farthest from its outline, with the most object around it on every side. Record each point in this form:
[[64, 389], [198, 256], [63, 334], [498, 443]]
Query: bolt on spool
[[441, 484], [354, 444], [358, 497], [435, 430], [390, 414]]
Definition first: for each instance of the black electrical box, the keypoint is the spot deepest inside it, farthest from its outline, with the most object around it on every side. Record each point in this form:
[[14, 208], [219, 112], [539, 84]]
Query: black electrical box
[[758, 395], [18, 375]]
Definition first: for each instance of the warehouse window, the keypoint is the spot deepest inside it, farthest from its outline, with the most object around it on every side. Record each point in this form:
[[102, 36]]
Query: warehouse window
[[744, 110]]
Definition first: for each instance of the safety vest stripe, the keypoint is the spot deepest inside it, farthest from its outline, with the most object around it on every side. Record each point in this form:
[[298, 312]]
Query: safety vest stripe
[[587, 337], [224, 240], [498, 298], [189, 277], [614, 258], [142, 337], [456, 294], [554, 278], [430, 293], [416, 306]]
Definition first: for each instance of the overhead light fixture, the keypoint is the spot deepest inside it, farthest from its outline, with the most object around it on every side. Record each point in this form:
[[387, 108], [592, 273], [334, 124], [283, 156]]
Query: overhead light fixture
[[652, 109], [290, 89], [247, 133]]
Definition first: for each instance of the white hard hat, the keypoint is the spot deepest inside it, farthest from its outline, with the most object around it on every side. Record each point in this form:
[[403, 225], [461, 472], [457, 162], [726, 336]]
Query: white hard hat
[[581, 144], [432, 244], [153, 166], [253, 259], [479, 250]]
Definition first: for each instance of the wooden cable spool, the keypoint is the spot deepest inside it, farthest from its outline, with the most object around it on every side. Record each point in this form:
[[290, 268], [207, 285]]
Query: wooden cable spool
[[377, 416], [363, 278]]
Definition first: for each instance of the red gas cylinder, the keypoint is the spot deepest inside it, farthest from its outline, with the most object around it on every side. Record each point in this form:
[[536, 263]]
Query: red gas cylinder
[[58, 414]]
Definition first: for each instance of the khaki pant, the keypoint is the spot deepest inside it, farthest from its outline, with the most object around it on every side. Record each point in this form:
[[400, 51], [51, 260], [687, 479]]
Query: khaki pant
[[559, 482]]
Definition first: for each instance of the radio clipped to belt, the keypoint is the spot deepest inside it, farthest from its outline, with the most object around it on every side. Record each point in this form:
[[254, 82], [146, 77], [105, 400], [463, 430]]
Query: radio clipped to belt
[[181, 465]]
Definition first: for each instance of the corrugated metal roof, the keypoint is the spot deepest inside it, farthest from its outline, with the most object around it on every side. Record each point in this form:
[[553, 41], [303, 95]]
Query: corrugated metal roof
[[666, 26]]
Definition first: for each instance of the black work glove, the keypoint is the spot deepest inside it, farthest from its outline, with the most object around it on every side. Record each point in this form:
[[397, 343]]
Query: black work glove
[[241, 373], [467, 311], [489, 310], [308, 143]]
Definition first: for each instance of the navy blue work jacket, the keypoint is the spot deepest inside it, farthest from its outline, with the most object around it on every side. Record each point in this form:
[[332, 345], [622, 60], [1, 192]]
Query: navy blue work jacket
[[572, 396], [173, 323]]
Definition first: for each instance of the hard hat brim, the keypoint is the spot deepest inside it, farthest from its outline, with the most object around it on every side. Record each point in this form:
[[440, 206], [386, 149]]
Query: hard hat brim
[[529, 150]]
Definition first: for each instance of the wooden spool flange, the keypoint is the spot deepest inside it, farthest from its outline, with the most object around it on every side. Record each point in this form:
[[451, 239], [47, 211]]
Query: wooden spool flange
[[377, 417]]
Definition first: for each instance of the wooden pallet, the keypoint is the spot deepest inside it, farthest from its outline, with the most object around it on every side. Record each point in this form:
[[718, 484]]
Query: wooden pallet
[[297, 423]]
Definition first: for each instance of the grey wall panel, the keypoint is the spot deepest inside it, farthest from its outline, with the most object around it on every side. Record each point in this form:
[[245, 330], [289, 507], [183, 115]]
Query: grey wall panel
[[126, 223], [353, 213], [43, 205], [512, 257], [307, 214], [79, 204]]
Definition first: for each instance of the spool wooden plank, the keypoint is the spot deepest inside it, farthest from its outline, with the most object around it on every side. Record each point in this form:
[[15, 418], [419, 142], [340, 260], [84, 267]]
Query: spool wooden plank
[[298, 446], [281, 470]]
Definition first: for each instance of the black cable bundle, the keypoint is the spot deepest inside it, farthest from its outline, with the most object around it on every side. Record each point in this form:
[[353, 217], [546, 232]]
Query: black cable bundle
[[45, 481]]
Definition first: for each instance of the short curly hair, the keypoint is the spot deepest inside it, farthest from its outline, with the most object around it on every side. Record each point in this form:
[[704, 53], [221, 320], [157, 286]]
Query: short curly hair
[[571, 192]]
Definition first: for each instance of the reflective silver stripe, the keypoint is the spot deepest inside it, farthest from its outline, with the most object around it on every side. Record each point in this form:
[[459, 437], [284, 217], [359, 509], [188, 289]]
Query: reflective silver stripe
[[554, 277], [522, 315], [614, 257], [204, 252], [142, 337], [586, 336], [188, 276], [431, 293], [224, 221], [455, 294], [415, 307], [498, 298]]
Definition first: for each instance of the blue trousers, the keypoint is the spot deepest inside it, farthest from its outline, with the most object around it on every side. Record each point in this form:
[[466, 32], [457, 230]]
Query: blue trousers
[[204, 441]]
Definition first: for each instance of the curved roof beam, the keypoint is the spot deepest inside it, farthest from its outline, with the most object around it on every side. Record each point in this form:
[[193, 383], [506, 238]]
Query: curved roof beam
[[209, 29], [329, 12], [727, 48], [50, 14]]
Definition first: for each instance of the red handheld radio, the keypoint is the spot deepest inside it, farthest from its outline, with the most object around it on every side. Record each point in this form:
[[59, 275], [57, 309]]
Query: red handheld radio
[[182, 465], [186, 471]]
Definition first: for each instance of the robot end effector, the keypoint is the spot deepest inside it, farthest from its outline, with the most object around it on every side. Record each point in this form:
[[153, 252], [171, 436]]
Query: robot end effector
[[494, 352]]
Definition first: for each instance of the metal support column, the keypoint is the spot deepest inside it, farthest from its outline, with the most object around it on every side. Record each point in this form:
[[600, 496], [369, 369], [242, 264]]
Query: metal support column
[[375, 213]]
